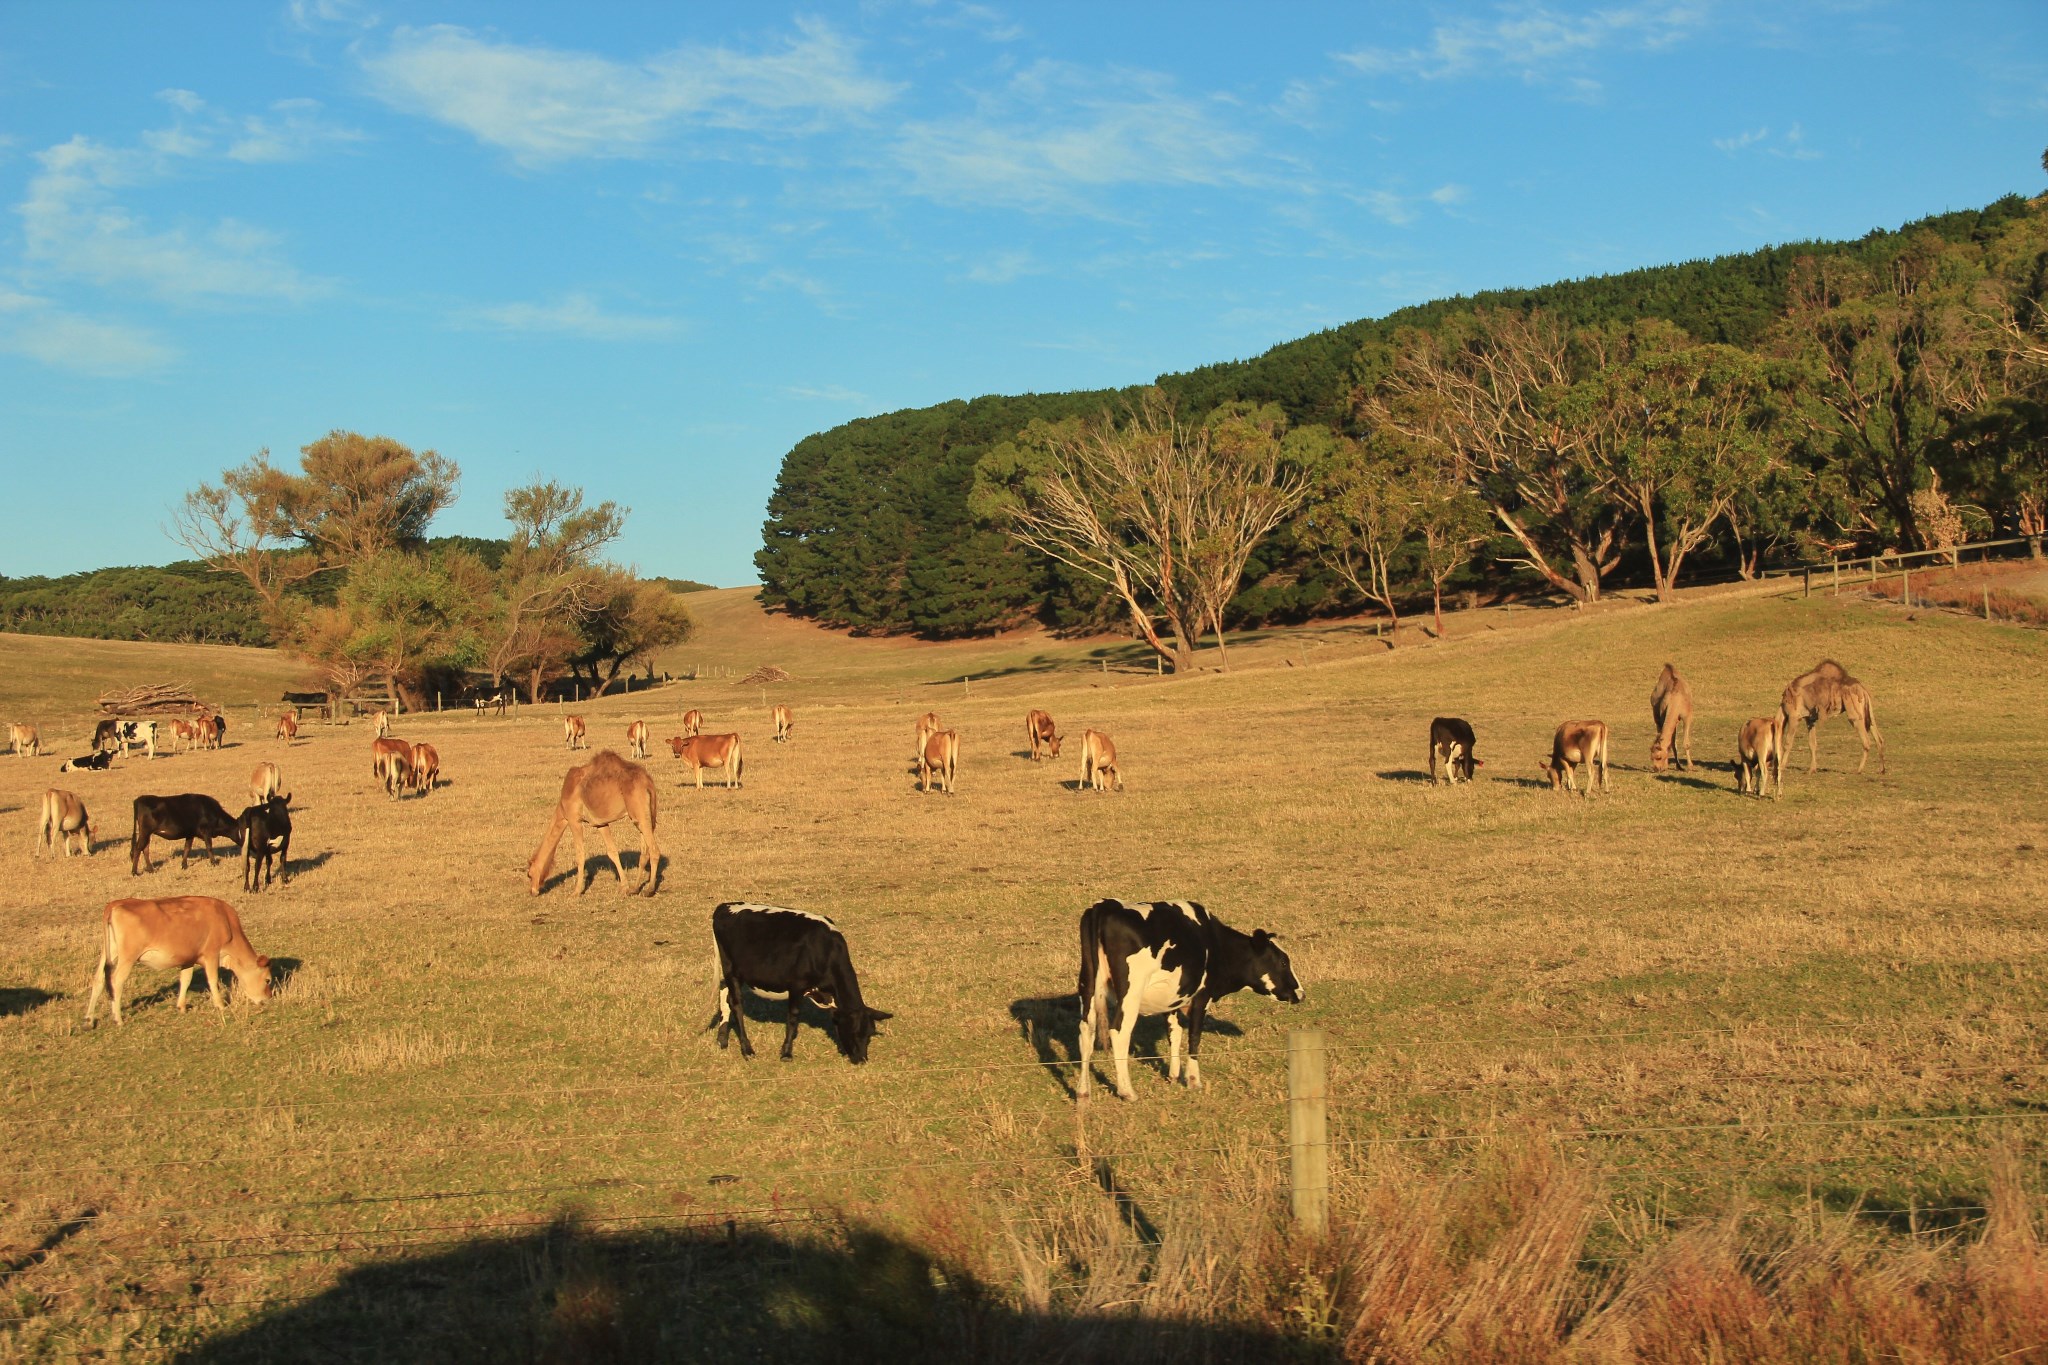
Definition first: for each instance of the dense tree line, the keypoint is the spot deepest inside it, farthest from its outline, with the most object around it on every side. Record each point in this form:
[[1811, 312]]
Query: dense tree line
[[182, 603], [1715, 416]]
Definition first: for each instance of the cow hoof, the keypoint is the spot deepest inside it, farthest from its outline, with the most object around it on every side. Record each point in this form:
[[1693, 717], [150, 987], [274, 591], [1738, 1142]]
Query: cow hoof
[[1123, 1094]]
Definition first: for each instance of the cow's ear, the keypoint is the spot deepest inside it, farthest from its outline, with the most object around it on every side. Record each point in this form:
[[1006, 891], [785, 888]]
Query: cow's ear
[[263, 962], [879, 1015]]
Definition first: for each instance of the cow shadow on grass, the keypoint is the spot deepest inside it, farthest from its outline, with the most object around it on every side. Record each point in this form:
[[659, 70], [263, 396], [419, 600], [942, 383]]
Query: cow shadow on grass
[[24, 1000], [1408, 775], [310, 864], [706, 1288], [767, 1016], [601, 871], [1696, 783], [1052, 1025], [1526, 782]]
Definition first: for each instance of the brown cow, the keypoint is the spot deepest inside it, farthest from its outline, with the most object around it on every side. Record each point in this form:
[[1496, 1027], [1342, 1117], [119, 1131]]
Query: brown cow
[[599, 792], [24, 737], [693, 723], [785, 722], [212, 730], [712, 751], [288, 727], [426, 766], [1577, 741], [181, 934], [636, 738], [1829, 691], [1761, 745], [265, 782], [1670, 706], [572, 731], [940, 759], [383, 719], [927, 726], [1039, 734], [64, 816], [391, 764], [1098, 762]]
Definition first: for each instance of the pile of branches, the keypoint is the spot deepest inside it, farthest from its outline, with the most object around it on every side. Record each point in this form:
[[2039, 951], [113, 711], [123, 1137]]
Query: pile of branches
[[766, 673], [160, 699]]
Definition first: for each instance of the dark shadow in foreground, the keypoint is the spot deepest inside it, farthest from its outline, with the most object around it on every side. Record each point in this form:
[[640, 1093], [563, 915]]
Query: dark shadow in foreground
[[712, 1293]]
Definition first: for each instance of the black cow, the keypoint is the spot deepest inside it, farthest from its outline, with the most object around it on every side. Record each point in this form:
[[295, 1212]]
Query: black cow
[[98, 761], [188, 817], [1450, 748], [266, 829], [1171, 958], [780, 952]]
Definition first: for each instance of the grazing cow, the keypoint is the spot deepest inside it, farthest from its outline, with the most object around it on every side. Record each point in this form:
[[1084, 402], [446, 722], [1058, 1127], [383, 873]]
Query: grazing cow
[[1040, 736], [106, 734], [184, 735], [1450, 747], [98, 761], [1098, 762], [288, 727], [212, 731], [778, 952], [785, 723], [64, 817], [426, 766], [383, 720], [170, 818], [391, 764], [265, 781], [266, 831], [693, 724], [927, 726], [24, 739], [1171, 958], [572, 732], [1670, 707], [636, 738], [1761, 745], [939, 760], [605, 789], [181, 934], [712, 751], [1829, 691], [1577, 741]]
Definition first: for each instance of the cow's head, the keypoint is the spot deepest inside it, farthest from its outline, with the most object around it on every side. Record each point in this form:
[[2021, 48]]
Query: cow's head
[[854, 1026], [1660, 757], [1272, 974], [252, 977], [1053, 745], [1554, 771]]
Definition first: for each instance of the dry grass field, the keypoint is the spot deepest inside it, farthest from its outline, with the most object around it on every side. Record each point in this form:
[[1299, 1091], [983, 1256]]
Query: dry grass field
[[477, 1124]]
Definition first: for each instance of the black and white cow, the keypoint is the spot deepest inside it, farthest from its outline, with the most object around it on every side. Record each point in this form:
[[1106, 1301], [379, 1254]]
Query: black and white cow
[[777, 952], [135, 734], [266, 832], [1171, 958], [1450, 750], [98, 761]]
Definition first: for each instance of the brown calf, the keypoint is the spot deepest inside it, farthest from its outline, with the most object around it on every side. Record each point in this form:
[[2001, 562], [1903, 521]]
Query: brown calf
[[1670, 707], [287, 728], [181, 934], [265, 782], [940, 759], [426, 766], [712, 751], [572, 732], [1039, 734], [927, 726], [391, 764], [64, 816], [785, 722], [383, 720], [1577, 741], [693, 723], [1761, 746], [1098, 762], [24, 738], [636, 738]]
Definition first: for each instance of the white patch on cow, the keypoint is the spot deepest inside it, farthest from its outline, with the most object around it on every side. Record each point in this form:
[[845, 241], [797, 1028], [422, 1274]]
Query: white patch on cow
[[748, 907], [1266, 980]]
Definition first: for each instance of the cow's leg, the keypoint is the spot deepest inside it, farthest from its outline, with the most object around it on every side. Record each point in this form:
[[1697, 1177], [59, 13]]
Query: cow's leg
[[582, 871], [611, 846], [1813, 747], [739, 1019], [1120, 1041], [1198, 1010], [789, 1037], [1175, 1036], [1688, 741], [184, 985], [185, 859], [722, 1018], [1091, 1000], [99, 988], [119, 984], [212, 965]]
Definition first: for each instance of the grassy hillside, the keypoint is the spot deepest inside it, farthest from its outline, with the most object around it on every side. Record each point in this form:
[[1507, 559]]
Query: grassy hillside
[[1684, 998]]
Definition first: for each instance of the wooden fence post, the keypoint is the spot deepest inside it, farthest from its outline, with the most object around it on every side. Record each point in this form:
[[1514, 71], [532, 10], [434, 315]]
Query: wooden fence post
[[1807, 589], [1837, 567], [1905, 586], [1308, 1129], [1987, 602]]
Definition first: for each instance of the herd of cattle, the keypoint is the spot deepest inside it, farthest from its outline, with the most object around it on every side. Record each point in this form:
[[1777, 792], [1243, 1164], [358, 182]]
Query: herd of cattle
[[1138, 958]]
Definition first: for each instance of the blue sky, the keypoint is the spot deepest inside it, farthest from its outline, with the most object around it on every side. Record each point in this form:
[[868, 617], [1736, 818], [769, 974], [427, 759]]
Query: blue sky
[[647, 248]]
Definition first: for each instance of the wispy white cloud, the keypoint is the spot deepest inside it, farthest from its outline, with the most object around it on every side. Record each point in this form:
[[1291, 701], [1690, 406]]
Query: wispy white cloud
[[985, 21], [73, 224], [1402, 209], [33, 327], [1004, 267], [1789, 145], [573, 315], [545, 105], [830, 393], [1535, 43], [1056, 136]]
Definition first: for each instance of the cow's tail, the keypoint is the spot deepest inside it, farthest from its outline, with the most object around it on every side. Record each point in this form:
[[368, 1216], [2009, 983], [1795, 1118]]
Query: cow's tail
[[105, 979], [1092, 989]]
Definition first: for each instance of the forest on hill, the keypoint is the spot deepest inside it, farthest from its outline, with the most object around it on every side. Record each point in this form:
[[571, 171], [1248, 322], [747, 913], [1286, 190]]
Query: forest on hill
[[1707, 418]]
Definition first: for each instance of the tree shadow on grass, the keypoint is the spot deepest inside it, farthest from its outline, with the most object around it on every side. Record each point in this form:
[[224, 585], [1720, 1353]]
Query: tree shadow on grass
[[716, 1291], [1131, 658], [24, 1000], [1052, 1025]]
